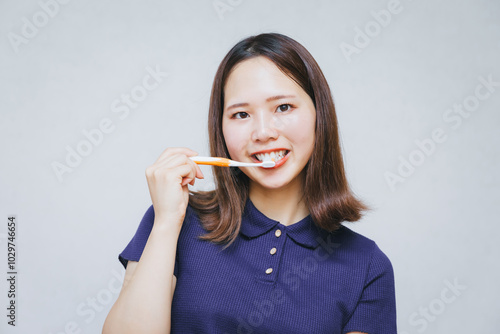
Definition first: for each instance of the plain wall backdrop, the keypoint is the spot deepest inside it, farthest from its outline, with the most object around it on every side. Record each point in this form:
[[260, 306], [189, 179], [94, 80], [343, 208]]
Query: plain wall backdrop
[[417, 91]]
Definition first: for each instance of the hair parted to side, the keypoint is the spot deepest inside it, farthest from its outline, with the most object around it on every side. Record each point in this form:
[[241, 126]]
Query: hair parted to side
[[326, 191]]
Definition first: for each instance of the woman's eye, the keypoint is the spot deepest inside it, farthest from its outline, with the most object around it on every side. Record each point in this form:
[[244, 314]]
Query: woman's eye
[[240, 115], [284, 107]]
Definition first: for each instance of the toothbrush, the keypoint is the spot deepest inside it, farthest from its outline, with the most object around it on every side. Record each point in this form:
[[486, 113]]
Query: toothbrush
[[223, 162]]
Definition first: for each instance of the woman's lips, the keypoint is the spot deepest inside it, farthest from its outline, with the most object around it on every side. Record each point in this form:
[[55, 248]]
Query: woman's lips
[[278, 163]]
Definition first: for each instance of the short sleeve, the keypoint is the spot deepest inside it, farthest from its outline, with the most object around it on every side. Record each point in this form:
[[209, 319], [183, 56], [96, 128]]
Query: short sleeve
[[135, 247], [375, 312]]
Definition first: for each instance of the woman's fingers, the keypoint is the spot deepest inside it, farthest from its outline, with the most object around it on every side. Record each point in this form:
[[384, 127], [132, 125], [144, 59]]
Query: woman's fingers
[[178, 159], [167, 179], [199, 174], [186, 173], [171, 151]]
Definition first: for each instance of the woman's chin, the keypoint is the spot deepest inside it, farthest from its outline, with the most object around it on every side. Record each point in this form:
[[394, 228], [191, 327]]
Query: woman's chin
[[271, 183]]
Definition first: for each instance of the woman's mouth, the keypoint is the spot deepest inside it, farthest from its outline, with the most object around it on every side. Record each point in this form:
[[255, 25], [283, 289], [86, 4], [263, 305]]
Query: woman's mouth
[[280, 157]]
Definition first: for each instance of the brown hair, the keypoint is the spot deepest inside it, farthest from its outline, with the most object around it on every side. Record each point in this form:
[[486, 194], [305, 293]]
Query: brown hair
[[326, 192]]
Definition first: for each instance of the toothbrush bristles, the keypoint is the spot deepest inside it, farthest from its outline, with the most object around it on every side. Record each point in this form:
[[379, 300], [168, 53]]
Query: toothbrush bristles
[[269, 164]]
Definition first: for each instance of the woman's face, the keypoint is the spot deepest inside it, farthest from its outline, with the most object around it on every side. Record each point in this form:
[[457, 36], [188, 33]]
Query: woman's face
[[267, 112]]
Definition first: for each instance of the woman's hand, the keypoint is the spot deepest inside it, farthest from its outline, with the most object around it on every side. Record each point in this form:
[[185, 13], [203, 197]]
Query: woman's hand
[[168, 180]]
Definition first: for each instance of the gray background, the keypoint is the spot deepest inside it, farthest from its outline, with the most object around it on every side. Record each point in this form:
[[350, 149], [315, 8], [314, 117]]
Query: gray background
[[439, 227]]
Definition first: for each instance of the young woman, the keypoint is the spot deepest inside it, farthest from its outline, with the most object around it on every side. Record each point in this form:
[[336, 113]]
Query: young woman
[[265, 252]]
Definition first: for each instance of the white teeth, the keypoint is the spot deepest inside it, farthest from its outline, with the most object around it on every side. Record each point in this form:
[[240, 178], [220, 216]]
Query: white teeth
[[276, 155]]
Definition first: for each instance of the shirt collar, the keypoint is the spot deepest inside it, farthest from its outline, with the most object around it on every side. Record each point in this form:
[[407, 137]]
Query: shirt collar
[[305, 232]]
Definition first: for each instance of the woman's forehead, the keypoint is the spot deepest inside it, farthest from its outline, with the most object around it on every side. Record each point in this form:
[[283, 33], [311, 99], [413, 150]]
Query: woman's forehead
[[258, 78]]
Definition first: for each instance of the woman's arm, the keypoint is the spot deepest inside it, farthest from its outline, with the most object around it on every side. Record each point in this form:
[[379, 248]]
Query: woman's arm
[[375, 312], [145, 300]]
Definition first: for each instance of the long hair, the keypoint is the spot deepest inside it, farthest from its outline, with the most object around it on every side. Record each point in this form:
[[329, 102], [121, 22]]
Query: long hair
[[326, 191]]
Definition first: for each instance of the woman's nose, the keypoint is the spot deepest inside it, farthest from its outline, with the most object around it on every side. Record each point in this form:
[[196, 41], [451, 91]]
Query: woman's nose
[[264, 127]]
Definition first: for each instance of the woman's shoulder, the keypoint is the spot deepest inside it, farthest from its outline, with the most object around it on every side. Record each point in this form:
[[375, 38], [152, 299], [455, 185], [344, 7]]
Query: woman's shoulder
[[353, 239], [359, 246]]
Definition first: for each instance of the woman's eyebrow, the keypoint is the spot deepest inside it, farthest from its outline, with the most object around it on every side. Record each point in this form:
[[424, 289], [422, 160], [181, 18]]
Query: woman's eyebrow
[[269, 99]]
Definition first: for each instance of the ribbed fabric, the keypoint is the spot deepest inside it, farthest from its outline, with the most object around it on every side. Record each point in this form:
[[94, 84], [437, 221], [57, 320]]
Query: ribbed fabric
[[315, 282]]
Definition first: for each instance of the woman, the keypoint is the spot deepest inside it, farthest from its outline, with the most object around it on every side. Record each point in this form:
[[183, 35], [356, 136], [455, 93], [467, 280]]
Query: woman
[[265, 252]]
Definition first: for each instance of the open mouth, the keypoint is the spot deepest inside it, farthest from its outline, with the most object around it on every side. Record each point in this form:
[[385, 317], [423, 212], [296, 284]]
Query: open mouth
[[279, 157]]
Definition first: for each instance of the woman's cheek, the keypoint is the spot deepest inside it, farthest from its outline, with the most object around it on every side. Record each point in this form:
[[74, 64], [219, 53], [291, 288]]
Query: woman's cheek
[[234, 142], [279, 122], [290, 124]]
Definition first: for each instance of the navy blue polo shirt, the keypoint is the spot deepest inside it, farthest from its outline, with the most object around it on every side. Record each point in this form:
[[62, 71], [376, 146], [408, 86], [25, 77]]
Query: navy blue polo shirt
[[276, 279]]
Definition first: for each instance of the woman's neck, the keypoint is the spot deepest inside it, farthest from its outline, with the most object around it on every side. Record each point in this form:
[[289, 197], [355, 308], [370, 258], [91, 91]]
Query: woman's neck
[[285, 205]]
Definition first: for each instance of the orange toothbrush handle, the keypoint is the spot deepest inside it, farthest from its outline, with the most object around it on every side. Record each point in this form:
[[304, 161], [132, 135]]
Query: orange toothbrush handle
[[222, 162]]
